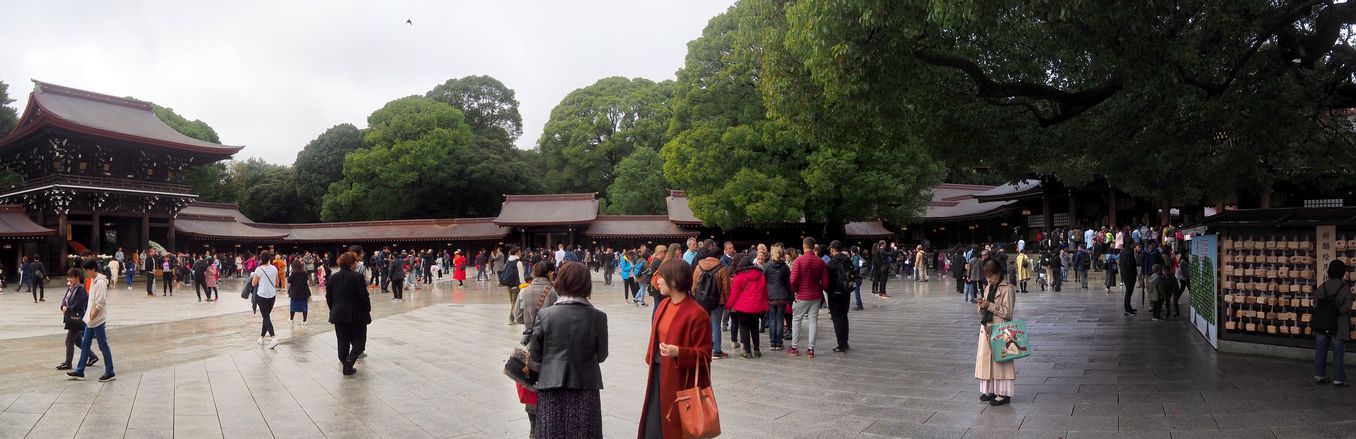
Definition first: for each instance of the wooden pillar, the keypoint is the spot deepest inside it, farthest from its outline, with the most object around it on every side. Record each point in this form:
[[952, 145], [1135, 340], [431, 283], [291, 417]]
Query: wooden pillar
[[95, 242], [570, 245], [1112, 208], [62, 237], [1073, 211], [1047, 218], [169, 237], [1265, 202], [145, 239]]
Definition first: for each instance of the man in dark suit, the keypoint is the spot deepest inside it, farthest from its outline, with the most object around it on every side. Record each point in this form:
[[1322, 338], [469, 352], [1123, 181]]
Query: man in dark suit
[[72, 314], [148, 267]]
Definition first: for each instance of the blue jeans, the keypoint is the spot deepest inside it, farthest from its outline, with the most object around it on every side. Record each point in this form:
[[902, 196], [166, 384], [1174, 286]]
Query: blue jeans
[[857, 293], [1325, 342], [969, 291], [717, 315], [98, 333], [775, 315], [640, 293], [131, 274]]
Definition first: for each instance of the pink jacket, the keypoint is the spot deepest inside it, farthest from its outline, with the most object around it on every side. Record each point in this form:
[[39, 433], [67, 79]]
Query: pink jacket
[[748, 292]]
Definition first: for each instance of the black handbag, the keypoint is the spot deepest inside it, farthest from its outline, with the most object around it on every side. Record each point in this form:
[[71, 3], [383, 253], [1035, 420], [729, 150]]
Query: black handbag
[[517, 370], [248, 291]]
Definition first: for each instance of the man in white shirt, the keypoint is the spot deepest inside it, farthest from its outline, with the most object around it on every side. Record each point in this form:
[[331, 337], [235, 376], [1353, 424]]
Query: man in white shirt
[[515, 267], [560, 254], [96, 319]]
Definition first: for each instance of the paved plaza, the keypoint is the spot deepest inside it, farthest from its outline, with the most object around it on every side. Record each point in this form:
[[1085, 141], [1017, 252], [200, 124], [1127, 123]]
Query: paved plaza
[[434, 365]]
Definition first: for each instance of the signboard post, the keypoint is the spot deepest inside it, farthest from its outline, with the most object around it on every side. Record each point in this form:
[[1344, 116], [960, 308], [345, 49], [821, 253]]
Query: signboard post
[[1204, 270]]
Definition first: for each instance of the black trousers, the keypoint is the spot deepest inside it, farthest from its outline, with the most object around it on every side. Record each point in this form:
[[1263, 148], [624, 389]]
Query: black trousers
[[1129, 290], [960, 286], [748, 330], [265, 309], [397, 288], [150, 283], [73, 337], [838, 312], [38, 291], [351, 339], [199, 285], [878, 281], [629, 288], [168, 279]]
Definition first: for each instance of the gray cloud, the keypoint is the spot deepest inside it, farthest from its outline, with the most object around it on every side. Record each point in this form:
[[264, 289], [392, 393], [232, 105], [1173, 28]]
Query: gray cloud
[[272, 75]]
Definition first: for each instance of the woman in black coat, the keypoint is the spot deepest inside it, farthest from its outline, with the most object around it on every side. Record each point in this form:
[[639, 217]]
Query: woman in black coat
[[569, 341], [350, 311], [72, 316], [779, 294]]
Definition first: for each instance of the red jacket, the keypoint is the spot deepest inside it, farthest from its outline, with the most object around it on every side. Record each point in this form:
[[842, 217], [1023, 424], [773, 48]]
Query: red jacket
[[809, 277], [748, 292]]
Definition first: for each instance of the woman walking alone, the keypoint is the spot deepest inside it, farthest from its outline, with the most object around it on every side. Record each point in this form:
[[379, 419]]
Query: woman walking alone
[[995, 306], [265, 283], [628, 270], [298, 293], [459, 268], [350, 311], [679, 352], [569, 341]]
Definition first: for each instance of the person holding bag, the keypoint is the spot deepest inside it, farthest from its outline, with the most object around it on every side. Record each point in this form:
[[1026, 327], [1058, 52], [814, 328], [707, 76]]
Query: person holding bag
[[995, 306], [1332, 325], [569, 342], [73, 312], [679, 357]]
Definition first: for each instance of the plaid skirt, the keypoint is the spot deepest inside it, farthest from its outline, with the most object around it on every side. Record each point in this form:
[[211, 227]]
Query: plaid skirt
[[565, 413]]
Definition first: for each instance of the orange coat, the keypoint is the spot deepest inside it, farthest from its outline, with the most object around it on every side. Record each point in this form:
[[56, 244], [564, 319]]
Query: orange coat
[[690, 329]]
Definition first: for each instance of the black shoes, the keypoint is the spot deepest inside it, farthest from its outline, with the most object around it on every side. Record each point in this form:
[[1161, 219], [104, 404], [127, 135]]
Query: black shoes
[[986, 397], [76, 375], [92, 361], [64, 366], [857, 308], [349, 370], [841, 349], [108, 377], [1000, 400]]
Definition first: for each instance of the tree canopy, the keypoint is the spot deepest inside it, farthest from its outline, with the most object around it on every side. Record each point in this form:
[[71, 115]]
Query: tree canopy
[[1172, 101], [9, 117], [640, 187], [422, 161], [489, 106], [320, 164], [595, 127], [741, 163]]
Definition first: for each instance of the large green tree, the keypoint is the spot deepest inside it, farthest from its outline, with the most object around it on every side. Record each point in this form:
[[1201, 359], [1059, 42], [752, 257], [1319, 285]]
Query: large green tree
[[271, 196], [640, 187], [9, 117], [213, 181], [489, 106], [595, 127], [1177, 101], [320, 164], [739, 165], [422, 161]]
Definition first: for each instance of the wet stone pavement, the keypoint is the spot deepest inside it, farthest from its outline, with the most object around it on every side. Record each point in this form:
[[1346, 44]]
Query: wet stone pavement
[[434, 370]]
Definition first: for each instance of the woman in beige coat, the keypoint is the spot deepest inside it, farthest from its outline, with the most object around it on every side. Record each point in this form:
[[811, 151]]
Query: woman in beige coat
[[995, 306]]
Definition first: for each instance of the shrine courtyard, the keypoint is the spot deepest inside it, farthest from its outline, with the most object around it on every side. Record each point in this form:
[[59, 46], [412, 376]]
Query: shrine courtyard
[[192, 370]]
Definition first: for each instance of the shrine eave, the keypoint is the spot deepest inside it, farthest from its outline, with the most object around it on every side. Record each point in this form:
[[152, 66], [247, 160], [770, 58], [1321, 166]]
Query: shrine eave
[[95, 189]]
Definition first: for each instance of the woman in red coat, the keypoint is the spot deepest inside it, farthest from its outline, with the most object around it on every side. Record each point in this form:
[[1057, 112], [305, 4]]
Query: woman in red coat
[[459, 270], [680, 351], [748, 302]]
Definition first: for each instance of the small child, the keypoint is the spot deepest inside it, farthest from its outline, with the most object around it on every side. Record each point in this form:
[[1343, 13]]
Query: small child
[[1157, 289]]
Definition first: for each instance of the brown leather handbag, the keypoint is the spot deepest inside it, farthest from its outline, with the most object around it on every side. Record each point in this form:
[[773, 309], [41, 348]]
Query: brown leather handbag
[[696, 407]]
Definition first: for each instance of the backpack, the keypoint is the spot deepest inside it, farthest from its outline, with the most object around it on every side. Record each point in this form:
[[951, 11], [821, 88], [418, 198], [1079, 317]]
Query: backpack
[[509, 274], [1326, 314], [843, 276], [707, 292]]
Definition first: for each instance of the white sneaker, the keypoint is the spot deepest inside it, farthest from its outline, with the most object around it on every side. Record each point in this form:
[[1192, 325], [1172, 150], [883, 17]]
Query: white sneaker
[[305, 323], [260, 341], [274, 343]]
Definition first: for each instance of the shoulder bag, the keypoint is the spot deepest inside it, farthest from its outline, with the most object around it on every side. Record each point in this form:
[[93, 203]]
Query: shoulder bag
[[696, 407]]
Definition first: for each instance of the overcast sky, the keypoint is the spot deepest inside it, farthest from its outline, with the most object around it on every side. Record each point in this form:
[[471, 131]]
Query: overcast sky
[[272, 75]]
